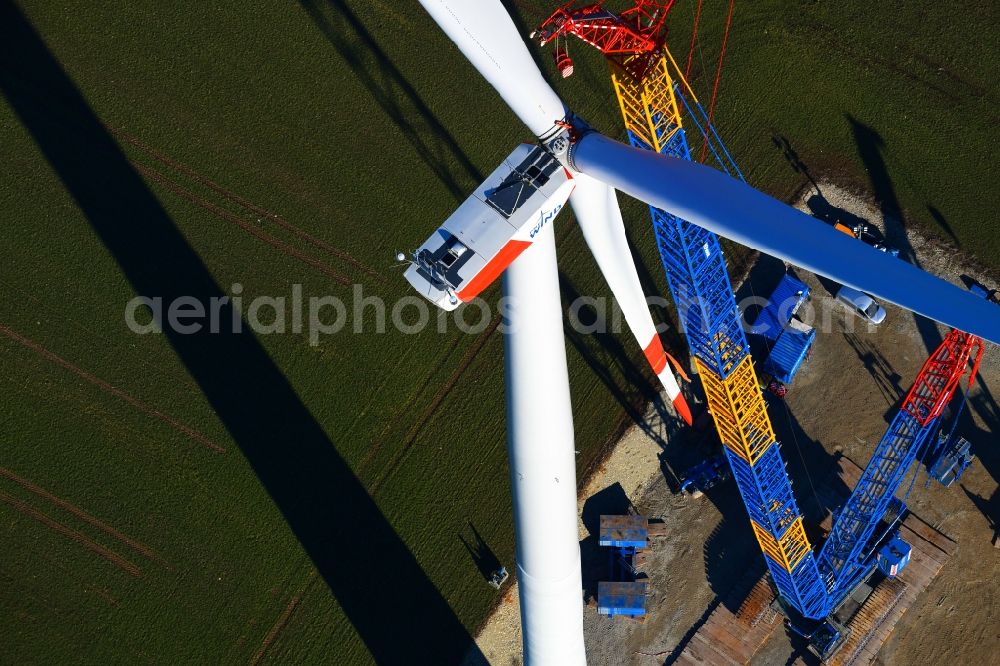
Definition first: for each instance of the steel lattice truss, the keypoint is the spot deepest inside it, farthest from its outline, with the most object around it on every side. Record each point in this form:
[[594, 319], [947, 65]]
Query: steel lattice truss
[[647, 84]]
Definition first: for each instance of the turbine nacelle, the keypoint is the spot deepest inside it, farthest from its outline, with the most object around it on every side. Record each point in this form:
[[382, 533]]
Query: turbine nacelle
[[500, 220], [491, 228]]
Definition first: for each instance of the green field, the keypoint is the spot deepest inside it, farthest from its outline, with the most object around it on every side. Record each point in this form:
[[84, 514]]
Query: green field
[[242, 498]]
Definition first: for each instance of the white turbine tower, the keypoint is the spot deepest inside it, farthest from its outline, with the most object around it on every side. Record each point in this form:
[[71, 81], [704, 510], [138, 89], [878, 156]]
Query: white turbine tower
[[540, 447], [472, 248]]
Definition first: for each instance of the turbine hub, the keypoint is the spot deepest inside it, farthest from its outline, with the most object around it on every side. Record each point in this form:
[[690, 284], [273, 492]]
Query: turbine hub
[[565, 133]]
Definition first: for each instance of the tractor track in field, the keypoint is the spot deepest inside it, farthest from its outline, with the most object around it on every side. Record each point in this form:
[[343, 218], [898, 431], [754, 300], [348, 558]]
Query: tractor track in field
[[135, 545], [247, 204], [79, 577], [436, 401], [146, 363], [71, 534], [254, 231], [103, 594], [438, 397], [282, 620], [377, 444], [113, 390]]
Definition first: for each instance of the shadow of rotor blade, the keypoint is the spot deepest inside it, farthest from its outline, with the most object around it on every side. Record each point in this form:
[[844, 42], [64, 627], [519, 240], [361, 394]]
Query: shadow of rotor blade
[[870, 147], [397, 97], [388, 598]]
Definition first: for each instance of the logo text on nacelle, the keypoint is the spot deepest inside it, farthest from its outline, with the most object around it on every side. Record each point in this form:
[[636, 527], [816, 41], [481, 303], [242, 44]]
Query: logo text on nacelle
[[543, 219]]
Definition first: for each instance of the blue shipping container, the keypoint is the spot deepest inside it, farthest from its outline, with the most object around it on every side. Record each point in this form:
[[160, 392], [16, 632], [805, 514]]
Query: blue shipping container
[[789, 352], [781, 306]]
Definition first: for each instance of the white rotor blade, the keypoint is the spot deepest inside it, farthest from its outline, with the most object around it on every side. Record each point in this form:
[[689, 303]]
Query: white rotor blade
[[596, 208], [730, 208], [488, 38]]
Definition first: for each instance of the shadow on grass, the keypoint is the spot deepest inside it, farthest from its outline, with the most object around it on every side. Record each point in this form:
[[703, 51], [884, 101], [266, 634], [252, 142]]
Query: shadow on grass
[[482, 555], [635, 389], [397, 97], [942, 222], [782, 143], [605, 354], [870, 146], [376, 580]]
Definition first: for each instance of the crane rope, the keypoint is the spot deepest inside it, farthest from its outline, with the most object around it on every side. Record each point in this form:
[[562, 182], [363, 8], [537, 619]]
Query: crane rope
[[718, 71], [694, 38], [788, 412], [802, 458]]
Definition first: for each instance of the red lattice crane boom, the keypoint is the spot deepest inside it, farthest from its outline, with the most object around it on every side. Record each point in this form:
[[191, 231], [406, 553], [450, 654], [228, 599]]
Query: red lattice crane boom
[[635, 30], [941, 374]]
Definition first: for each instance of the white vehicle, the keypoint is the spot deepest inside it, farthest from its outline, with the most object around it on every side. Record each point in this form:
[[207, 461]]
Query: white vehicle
[[491, 228], [862, 304]]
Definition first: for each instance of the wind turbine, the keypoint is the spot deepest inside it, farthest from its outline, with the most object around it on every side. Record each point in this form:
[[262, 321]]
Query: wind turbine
[[540, 438], [504, 216]]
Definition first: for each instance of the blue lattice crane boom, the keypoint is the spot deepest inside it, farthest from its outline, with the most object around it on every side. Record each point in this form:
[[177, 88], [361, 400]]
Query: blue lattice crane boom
[[845, 556], [690, 204], [651, 92]]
